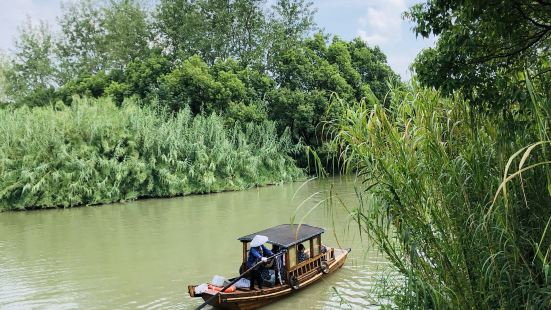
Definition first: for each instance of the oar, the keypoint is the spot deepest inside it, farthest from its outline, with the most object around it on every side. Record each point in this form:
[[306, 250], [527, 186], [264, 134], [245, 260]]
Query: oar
[[235, 281]]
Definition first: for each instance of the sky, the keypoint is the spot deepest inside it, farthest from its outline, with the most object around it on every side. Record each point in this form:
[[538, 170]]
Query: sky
[[378, 22]]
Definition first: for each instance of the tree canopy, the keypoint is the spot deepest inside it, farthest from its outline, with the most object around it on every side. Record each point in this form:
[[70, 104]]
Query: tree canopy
[[483, 46]]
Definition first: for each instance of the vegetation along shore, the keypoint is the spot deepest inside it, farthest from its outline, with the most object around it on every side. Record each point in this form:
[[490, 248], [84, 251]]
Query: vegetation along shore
[[258, 79]]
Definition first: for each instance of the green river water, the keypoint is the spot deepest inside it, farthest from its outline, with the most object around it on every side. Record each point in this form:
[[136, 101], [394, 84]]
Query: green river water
[[143, 254]]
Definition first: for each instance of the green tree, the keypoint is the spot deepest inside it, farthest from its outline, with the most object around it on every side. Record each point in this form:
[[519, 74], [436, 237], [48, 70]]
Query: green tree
[[98, 38], [80, 49], [140, 77], [98, 43], [177, 23], [224, 87], [30, 79], [142, 74], [127, 32], [482, 46], [4, 68], [249, 33], [85, 86], [352, 70], [189, 84], [372, 66], [212, 29], [290, 22], [311, 74], [244, 91]]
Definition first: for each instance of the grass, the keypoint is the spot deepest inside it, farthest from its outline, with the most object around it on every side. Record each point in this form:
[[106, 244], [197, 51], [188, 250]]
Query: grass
[[94, 152], [462, 198]]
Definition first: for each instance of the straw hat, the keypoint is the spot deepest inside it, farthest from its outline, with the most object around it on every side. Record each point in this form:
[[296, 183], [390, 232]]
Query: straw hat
[[258, 240]]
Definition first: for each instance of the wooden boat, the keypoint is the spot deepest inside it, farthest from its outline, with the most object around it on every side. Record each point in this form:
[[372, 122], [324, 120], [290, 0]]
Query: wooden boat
[[322, 262]]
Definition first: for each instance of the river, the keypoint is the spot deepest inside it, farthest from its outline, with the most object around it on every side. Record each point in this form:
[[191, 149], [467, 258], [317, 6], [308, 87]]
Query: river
[[143, 254]]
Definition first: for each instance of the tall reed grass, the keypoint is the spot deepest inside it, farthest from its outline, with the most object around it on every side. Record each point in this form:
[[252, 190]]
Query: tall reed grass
[[460, 200], [94, 152]]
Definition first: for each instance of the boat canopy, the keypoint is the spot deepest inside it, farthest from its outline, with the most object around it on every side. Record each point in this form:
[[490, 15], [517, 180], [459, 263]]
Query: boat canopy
[[286, 235]]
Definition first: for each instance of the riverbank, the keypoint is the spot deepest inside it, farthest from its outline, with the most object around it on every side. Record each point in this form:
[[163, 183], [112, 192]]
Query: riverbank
[[94, 152]]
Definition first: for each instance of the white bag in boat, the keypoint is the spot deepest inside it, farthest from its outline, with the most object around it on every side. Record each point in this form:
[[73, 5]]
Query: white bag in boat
[[243, 283], [218, 281], [201, 288]]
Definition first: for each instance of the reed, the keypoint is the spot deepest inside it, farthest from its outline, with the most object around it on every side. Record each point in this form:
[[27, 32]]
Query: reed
[[460, 199], [94, 152]]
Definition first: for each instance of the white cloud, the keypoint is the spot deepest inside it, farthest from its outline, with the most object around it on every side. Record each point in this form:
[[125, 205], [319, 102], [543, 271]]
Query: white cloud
[[374, 39], [382, 22]]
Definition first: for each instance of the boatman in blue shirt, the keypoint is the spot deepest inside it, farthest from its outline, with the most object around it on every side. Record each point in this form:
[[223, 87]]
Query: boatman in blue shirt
[[258, 253]]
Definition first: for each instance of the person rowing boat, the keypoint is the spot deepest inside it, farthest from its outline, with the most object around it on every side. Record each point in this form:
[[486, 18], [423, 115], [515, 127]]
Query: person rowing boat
[[257, 253]]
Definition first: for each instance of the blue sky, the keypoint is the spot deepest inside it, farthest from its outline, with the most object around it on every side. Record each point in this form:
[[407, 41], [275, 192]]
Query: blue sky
[[378, 22]]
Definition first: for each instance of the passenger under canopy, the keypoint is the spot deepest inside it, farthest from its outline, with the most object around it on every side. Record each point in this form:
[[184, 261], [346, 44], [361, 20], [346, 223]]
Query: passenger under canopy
[[286, 235]]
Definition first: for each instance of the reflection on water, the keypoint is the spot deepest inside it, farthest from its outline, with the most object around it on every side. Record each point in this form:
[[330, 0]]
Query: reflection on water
[[143, 254]]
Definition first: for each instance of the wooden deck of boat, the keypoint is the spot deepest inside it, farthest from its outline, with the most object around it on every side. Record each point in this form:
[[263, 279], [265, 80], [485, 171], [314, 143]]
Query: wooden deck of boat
[[245, 299]]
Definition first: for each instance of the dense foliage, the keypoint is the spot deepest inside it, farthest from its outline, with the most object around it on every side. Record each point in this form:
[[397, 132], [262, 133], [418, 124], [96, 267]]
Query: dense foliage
[[94, 152], [483, 47], [459, 205], [243, 59]]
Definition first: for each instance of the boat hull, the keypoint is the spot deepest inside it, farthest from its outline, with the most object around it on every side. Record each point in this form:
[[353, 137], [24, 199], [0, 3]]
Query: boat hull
[[245, 300]]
